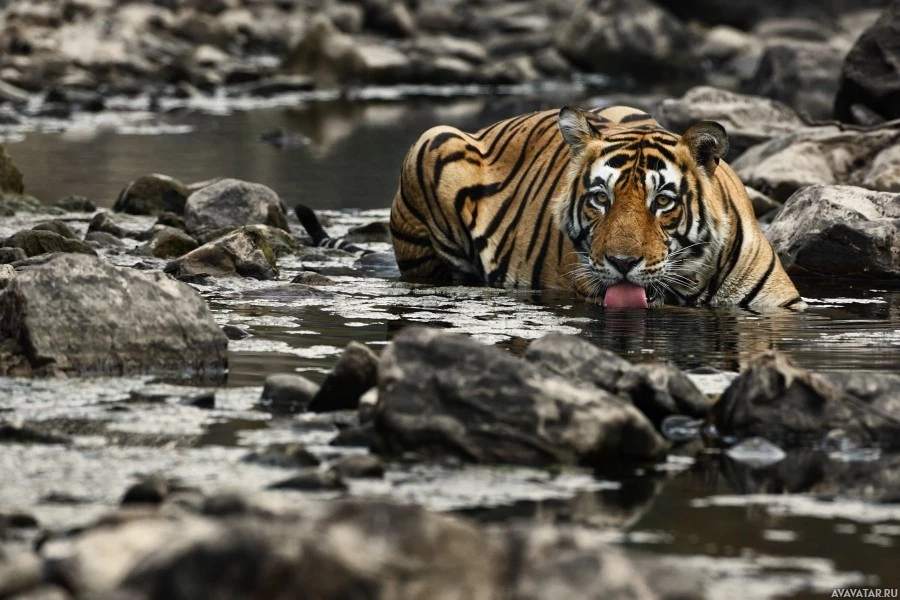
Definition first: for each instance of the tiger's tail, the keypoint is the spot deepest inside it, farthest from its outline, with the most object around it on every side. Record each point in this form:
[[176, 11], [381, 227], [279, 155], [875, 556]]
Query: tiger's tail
[[320, 237]]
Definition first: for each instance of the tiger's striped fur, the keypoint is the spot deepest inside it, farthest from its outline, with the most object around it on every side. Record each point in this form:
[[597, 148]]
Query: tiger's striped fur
[[562, 199]]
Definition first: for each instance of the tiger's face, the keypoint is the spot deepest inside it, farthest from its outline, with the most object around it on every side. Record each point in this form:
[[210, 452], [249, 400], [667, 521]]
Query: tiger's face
[[636, 210]]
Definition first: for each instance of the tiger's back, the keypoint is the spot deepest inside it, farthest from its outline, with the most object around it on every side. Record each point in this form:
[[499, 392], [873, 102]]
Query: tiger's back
[[486, 207]]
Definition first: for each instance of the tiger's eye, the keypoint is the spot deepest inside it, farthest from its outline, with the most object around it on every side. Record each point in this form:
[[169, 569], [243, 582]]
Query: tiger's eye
[[663, 201], [599, 198]]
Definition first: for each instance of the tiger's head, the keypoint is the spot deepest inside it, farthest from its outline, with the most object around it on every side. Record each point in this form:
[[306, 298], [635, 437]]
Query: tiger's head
[[638, 208]]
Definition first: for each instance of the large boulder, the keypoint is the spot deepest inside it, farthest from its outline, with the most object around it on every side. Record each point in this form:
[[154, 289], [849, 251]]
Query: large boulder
[[10, 176], [776, 400], [839, 230], [232, 203], [151, 195], [749, 120], [244, 252], [446, 394], [636, 37], [815, 155], [870, 77], [41, 241], [79, 314]]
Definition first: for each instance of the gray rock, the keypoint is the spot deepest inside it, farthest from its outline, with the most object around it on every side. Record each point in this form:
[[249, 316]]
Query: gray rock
[[7, 274], [762, 204], [137, 322], [58, 227], [445, 394], [12, 203], [802, 74], [311, 479], [285, 456], [36, 242], [168, 242], [839, 230], [658, 390], [243, 252], [359, 466], [151, 195], [281, 241], [10, 176], [11, 255], [289, 389], [625, 36], [355, 373], [76, 204], [313, 279], [102, 238], [231, 203], [749, 120], [884, 172], [870, 75], [102, 221], [817, 155], [787, 405]]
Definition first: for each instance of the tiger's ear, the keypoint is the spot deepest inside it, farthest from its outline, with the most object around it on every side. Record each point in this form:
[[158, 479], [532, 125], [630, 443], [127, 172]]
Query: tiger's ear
[[707, 142], [576, 129]]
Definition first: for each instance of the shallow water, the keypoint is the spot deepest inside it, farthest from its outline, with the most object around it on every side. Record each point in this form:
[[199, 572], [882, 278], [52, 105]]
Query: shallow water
[[726, 519]]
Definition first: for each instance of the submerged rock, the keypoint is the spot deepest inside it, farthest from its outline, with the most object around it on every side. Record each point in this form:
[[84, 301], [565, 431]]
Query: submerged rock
[[136, 322], [355, 373], [778, 401], [152, 195], [232, 203], [839, 230], [243, 252], [36, 242], [446, 394]]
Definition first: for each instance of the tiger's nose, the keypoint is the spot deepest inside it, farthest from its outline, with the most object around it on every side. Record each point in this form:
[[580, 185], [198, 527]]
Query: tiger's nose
[[624, 264]]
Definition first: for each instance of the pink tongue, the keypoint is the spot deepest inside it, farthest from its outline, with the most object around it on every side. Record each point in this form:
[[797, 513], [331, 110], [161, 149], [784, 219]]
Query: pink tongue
[[625, 295]]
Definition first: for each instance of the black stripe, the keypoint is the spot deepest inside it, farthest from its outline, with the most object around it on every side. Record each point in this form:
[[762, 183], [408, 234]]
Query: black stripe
[[409, 238], [635, 117], [751, 295], [441, 138], [792, 302], [412, 263]]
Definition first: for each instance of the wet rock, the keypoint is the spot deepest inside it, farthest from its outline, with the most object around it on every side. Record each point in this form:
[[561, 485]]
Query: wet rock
[[152, 490], [37, 242], [447, 395], [355, 373], [811, 156], [359, 466], [151, 195], [313, 279], [11, 255], [378, 264], [802, 74], [289, 390], [168, 242], [11, 203], [376, 231], [57, 227], [18, 433], [243, 252], [620, 36], [756, 452], [281, 241], [354, 437], [870, 75], [839, 230], [102, 221], [749, 120], [231, 203], [204, 400], [658, 390], [138, 322], [790, 406], [310, 480], [286, 456], [7, 274], [170, 219], [235, 333], [103, 239], [10, 176]]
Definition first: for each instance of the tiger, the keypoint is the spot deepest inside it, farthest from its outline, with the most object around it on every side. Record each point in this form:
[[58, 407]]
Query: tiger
[[605, 203]]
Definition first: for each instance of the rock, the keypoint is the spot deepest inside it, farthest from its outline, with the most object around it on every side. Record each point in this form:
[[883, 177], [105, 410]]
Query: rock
[[289, 390], [762, 204], [243, 252], [102, 221], [839, 230], [57, 227], [152, 490], [787, 405], [388, 17], [103, 239], [170, 219], [204, 400], [11, 204], [138, 322], [151, 195], [313, 279], [810, 156], [870, 75], [359, 466], [355, 373], [7, 274], [10, 176], [281, 241], [311, 479], [378, 264], [11, 255], [286, 456], [803, 75], [168, 242], [232, 203], [658, 390], [884, 172], [17, 433], [749, 120], [624, 36], [76, 204], [354, 437], [446, 394], [235, 333], [36, 242]]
